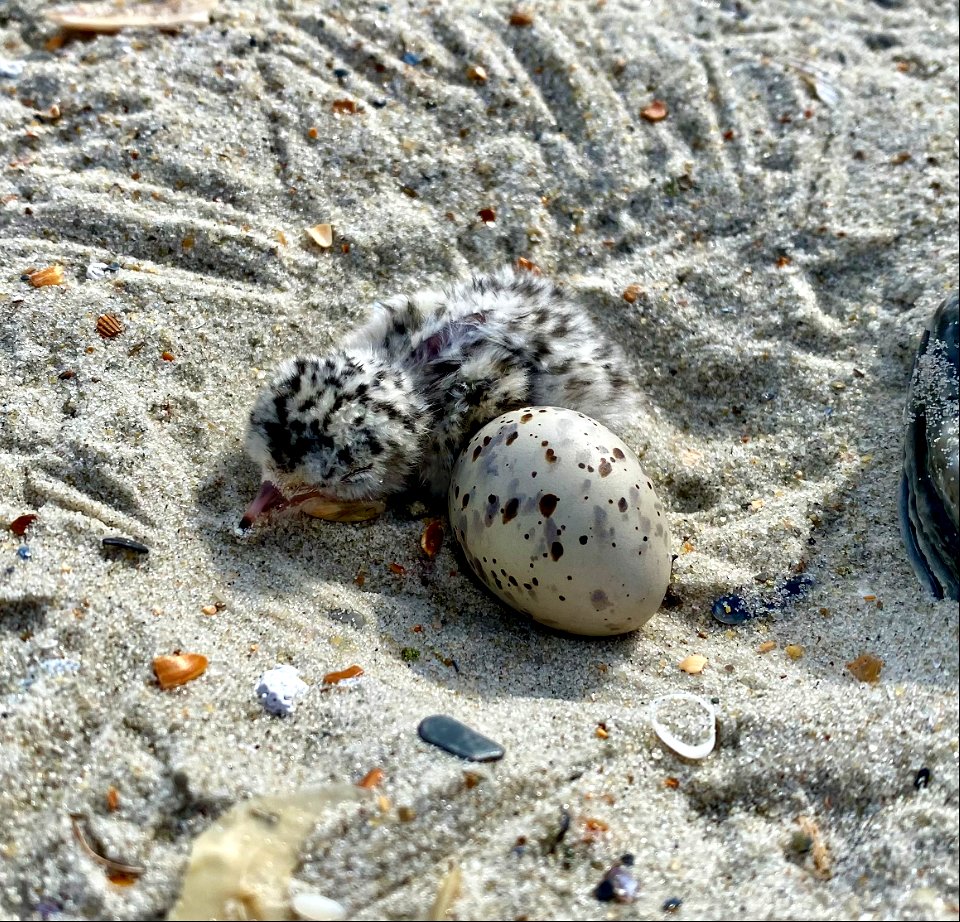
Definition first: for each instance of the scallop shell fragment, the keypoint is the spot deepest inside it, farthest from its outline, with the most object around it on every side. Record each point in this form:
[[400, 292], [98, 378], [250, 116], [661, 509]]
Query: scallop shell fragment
[[930, 485]]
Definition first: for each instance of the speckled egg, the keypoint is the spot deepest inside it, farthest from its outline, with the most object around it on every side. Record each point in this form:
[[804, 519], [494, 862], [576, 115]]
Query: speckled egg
[[556, 516]]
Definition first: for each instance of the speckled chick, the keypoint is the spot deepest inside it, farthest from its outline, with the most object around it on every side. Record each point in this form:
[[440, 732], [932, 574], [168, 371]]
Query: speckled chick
[[393, 407]]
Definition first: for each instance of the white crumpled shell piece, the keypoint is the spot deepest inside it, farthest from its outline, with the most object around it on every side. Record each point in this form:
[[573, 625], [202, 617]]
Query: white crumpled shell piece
[[278, 687], [698, 750]]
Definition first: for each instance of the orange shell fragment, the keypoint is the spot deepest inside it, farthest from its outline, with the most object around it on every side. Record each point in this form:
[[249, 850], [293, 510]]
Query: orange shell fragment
[[432, 539], [179, 668], [655, 112], [371, 779], [50, 275], [351, 672], [109, 326], [866, 667]]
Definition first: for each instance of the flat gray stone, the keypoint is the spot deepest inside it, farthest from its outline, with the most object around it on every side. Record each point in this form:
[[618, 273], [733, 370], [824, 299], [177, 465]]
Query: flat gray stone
[[458, 739]]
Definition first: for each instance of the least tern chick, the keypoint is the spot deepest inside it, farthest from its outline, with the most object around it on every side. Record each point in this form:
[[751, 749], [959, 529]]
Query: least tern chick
[[392, 408]]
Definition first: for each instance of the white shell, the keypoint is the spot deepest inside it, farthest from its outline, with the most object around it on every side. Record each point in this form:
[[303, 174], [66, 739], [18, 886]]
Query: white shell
[[310, 904], [277, 688], [706, 735], [556, 516]]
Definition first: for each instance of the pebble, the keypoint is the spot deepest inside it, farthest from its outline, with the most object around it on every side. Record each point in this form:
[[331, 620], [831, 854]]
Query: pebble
[[458, 739], [277, 688], [922, 778], [23, 552], [115, 542]]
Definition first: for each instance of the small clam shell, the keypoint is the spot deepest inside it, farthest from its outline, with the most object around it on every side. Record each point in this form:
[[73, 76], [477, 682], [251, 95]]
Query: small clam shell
[[179, 668], [342, 512], [930, 485]]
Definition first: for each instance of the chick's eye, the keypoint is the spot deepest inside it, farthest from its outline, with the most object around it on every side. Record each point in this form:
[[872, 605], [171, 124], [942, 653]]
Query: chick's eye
[[355, 474]]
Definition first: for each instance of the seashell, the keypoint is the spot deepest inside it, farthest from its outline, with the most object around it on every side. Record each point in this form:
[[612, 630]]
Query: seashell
[[50, 275], [119, 543], [277, 688], [179, 668], [109, 325], [321, 235], [699, 734], [360, 511], [431, 539], [311, 904], [930, 485], [351, 672], [693, 664]]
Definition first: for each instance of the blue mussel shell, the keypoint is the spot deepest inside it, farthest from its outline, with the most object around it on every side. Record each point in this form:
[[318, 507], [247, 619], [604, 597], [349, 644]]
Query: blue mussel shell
[[931, 456]]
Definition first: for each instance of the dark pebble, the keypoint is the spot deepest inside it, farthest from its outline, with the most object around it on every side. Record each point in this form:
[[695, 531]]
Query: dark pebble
[[125, 544], [922, 778], [341, 73], [378, 103], [458, 739], [672, 904]]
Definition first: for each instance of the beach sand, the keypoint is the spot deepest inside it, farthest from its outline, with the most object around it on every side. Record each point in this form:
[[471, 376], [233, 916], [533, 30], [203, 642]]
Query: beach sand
[[789, 226]]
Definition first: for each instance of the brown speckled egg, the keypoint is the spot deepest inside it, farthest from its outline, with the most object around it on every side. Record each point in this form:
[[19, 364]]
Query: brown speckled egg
[[556, 516]]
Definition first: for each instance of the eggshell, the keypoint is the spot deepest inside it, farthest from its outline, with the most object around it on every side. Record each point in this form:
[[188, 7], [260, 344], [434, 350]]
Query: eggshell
[[556, 516]]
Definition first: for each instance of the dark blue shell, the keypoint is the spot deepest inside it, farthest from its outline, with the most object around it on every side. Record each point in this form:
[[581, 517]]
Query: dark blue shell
[[929, 485]]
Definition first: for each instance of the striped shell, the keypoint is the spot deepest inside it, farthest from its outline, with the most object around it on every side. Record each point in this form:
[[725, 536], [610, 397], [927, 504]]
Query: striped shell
[[930, 484]]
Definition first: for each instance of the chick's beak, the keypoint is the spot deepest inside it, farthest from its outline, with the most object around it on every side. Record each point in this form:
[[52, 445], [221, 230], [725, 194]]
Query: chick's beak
[[268, 499]]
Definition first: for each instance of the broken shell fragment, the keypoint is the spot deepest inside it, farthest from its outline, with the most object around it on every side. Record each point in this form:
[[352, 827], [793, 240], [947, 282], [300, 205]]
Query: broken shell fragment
[[930, 484], [683, 710], [351, 672], [866, 668], [360, 511], [179, 668], [109, 326], [321, 235], [693, 664], [51, 275], [21, 523], [126, 545], [655, 112], [310, 904], [431, 539], [277, 688]]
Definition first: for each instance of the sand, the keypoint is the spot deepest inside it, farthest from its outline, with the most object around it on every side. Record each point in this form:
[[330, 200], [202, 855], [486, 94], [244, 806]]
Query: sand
[[790, 227]]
